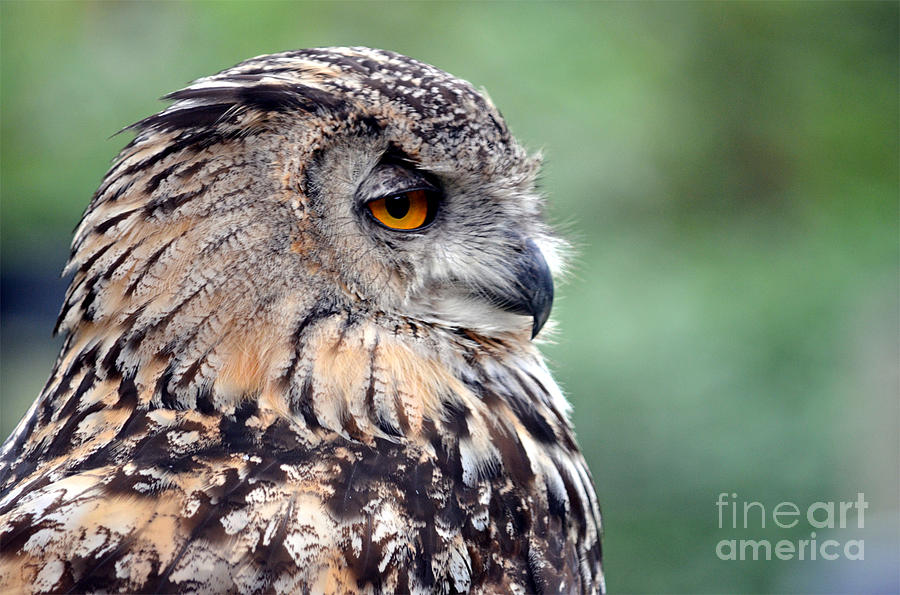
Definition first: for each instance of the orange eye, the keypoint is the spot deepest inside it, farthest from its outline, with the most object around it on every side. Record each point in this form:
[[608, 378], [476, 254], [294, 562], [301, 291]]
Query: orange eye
[[405, 211]]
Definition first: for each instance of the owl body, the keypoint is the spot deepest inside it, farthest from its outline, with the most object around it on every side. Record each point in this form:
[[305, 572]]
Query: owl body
[[299, 354]]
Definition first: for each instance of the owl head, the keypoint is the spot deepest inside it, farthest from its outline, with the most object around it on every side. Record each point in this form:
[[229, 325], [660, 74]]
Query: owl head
[[333, 182]]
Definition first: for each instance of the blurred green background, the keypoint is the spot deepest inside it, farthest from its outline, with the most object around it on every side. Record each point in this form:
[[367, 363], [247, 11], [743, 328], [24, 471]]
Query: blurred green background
[[728, 172]]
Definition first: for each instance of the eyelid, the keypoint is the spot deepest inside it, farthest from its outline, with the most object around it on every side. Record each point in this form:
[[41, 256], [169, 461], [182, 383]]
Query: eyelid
[[388, 179], [424, 188]]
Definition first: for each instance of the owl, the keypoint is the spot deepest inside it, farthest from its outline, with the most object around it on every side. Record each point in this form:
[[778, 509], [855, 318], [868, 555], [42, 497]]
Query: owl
[[299, 353]]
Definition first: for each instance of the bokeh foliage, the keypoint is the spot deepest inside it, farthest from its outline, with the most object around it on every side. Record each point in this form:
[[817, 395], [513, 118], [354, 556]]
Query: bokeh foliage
[[727, 171]]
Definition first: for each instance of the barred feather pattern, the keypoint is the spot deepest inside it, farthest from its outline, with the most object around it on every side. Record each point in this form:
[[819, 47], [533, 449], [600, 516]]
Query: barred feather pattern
[[259, 391]]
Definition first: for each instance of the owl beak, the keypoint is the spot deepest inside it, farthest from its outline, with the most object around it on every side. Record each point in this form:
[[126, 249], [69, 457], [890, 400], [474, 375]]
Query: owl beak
[[532, 294]]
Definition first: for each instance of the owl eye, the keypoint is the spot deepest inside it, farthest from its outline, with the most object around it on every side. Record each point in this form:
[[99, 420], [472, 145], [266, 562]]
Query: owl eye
[[406, 211]]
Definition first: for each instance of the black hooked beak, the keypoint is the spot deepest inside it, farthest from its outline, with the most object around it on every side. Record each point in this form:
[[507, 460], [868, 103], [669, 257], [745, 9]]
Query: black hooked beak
[[532, 294]]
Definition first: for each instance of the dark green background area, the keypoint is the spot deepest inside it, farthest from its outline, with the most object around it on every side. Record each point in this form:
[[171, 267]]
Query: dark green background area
[[728, 173]]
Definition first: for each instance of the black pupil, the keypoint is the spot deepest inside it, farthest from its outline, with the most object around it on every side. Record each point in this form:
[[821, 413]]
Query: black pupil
[[397, 206]]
